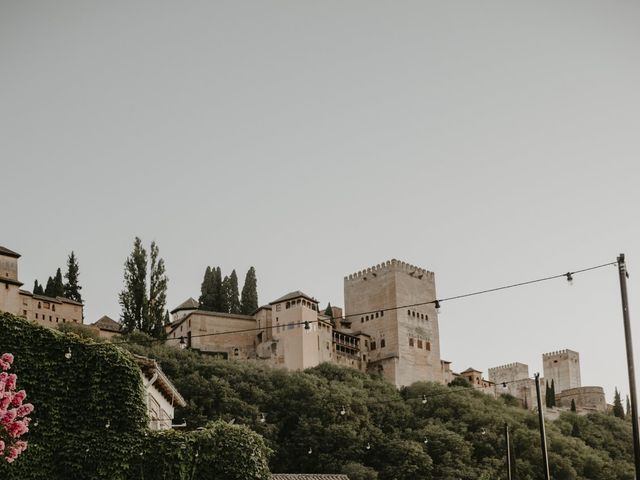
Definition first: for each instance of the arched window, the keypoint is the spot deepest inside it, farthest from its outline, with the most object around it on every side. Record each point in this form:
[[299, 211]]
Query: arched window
[[382, 343]]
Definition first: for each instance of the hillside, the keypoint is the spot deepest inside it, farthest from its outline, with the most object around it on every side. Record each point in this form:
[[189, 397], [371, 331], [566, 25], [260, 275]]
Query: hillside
[[330, 419]]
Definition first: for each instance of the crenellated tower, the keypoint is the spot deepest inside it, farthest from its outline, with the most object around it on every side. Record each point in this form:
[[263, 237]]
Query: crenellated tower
[[390, 300]]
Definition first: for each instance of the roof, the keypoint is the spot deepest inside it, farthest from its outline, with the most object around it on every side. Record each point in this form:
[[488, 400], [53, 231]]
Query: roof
[[292, 295], [108, 324], [308, 476], [149, 368], [8, 253], [189, 304], [172, 326], [263, 307], [44, 298], [470, 370]]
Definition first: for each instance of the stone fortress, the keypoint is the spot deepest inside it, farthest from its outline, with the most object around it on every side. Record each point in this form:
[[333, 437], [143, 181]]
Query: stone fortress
[[388, 328]]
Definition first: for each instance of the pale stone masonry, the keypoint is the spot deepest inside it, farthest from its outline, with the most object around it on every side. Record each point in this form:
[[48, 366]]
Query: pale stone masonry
[[47, 311], [378, 333]]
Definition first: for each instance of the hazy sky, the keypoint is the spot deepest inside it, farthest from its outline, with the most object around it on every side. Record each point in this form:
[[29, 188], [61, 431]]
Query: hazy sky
[[490, 142]]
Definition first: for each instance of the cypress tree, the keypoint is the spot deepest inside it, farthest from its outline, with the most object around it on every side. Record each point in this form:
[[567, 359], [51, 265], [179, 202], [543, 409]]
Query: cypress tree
[[225, 295], [553, 393], [249, 298], [37, 288], [328, 311], [547, 394], [71, 286], [133, 298], [573, 406], [206, 300], [575, 430], [618, 411], [157, 294], [58, 284], [218, 296], [49, 289], [234, 294]]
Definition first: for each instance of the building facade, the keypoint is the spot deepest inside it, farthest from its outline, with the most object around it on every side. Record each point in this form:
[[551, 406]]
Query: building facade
[[47, 311], [377, 333]]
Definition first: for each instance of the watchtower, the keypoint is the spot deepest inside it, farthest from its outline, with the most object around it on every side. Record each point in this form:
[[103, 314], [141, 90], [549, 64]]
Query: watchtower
[[563, 367], [388, 302]]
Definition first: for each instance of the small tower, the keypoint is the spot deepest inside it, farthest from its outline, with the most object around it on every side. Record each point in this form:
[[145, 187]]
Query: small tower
[[9, 284], [563, 367], [389, 302]]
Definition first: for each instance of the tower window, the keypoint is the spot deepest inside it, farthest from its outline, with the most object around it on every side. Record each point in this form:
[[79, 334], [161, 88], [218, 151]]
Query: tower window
[[382, 343], [373, 345], [382, 313], [411, 342], [419, 343], [408, 313], [427, 346], [361, 319]]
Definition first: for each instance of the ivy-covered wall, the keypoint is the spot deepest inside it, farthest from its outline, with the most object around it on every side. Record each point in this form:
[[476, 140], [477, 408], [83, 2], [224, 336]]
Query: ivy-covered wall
[[90, 414], [90, 419]]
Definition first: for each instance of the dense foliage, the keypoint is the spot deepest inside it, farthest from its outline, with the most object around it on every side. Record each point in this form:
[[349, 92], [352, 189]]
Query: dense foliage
[[219, 294], [75, 398], [385, 433], [90, 418], [143, 308]]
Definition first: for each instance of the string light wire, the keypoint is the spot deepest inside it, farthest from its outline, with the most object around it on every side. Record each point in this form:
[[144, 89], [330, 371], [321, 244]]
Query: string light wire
[[436, 302]]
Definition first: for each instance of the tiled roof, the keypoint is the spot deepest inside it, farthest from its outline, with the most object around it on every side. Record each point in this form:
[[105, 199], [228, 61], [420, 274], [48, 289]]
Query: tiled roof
[[189, 304], [292, 295], [308, 476], [9, 253], [470, 370], [109, 324], [44, 298], [149, 367]]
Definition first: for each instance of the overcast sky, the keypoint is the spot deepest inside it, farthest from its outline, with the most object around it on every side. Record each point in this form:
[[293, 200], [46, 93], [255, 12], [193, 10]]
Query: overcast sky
[[489, 142]]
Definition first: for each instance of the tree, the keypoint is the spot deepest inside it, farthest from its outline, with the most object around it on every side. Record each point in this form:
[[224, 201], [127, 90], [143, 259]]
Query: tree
[[37, 288], [58, 284], [225, 296], [573, 405], [206, 298], [133, 298], [552, 401], [141, 309], [218, 295], [618, 411], [157, 293], [628, 406], [71, 286], [234, 294], [328, 311], [49, 289], [547, 394], [249, 297]]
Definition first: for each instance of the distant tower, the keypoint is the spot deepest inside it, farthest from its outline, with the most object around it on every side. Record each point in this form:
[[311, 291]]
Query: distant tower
[[563, 367], [404, 342], [9, 284]]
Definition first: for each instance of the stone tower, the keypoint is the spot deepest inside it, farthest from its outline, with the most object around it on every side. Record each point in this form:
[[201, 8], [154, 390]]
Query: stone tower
[[9, 284], [563, 367], [404, 342]]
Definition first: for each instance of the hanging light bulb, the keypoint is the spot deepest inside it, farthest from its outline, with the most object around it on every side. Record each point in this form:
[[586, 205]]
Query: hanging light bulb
[[343, 411], [437, 303], [424, 399], [368, 447], [569, 278], [426, 440], [310, 451], [108, 425], [68, 354], [183, 344], [483, 432], [263, 418]]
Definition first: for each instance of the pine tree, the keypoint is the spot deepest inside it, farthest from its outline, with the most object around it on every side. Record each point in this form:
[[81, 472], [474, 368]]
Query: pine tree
[[49, 289], [225, 296], [133, 298], [58, 284], [573, 405], [328, 311], [71, 287], [618, 411], [157, 294], [628, 406], [234, 294], [249, 298]]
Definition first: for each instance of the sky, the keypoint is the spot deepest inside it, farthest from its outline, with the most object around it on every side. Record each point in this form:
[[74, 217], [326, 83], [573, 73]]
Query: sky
[[490, 142]]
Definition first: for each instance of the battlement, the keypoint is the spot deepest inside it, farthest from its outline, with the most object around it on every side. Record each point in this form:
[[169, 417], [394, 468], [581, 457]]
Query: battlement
[[508, 366], [558, 352], [392, 265]]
